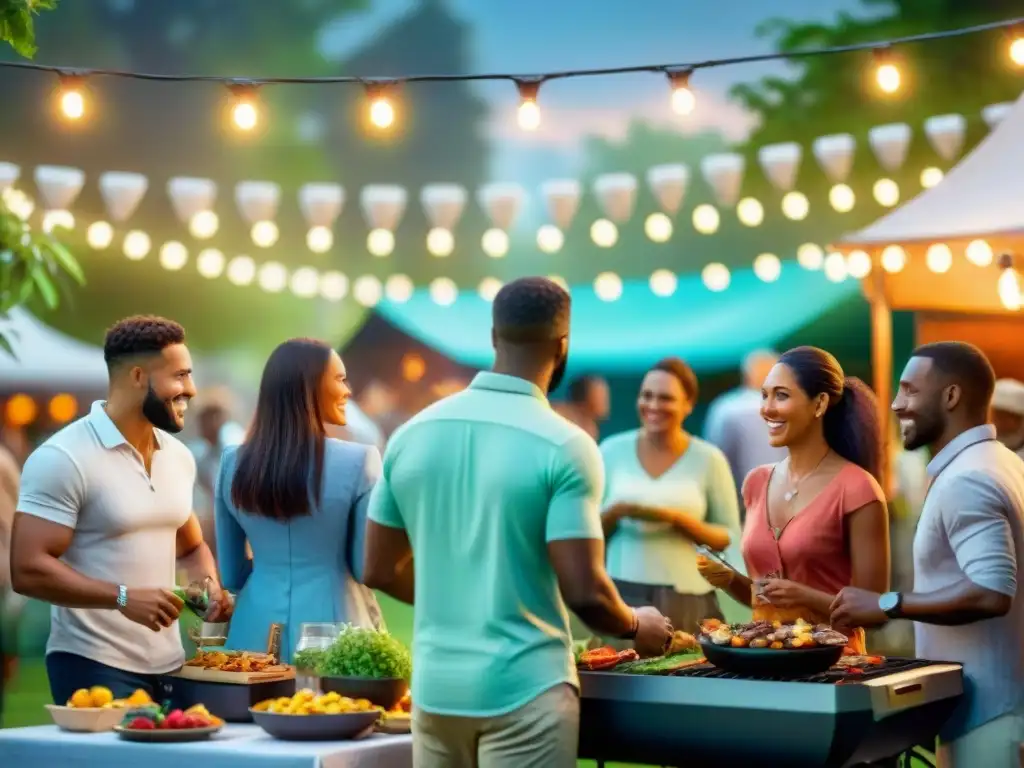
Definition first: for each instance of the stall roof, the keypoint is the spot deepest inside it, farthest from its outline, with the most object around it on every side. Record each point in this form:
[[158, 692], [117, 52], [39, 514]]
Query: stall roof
[[980, 197], [711, 331], [47, 358]]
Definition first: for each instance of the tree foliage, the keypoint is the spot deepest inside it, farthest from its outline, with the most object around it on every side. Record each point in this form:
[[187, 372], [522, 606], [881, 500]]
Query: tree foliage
[[17, 23]]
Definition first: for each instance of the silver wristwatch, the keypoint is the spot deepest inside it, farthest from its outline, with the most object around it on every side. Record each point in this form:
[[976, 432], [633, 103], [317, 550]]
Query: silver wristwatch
[[122, 597]]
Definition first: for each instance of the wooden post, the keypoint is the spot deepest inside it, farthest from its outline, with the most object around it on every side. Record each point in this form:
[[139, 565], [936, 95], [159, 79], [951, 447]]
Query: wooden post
[[881, 364]]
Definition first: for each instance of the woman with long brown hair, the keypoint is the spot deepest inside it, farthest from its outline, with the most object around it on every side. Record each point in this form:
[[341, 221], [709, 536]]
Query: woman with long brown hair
[[300, 499]]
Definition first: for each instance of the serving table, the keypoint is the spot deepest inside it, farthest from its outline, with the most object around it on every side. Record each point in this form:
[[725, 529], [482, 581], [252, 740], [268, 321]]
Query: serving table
[[236, 746]]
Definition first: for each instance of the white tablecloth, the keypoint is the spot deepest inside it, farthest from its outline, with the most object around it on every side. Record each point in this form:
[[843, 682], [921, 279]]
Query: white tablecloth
[[237, 746]]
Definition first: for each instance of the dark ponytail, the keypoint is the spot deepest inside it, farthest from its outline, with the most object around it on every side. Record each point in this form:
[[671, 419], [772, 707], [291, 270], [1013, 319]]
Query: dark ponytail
[[850, 423]]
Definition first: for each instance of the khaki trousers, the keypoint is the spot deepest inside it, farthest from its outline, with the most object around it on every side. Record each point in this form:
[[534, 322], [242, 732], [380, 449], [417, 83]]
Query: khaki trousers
[[996, 744], [541, 734]]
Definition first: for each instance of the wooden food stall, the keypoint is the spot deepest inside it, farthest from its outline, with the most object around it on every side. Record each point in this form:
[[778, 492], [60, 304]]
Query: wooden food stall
[[954, 256]]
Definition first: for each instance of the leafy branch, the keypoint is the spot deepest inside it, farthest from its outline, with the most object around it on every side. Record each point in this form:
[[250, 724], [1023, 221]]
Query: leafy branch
[[17, 23], [32, 264]]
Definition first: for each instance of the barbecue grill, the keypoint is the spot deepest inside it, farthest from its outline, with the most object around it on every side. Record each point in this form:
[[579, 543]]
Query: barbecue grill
[[703, 716]]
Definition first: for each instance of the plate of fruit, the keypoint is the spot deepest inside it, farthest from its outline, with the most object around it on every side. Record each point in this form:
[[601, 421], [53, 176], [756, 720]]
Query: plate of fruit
[[307, 716], [163, 724], [92, 710]]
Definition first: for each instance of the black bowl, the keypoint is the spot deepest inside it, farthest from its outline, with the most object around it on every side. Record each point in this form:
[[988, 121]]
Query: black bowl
[[349, 725], [771, 662], [383, 691]]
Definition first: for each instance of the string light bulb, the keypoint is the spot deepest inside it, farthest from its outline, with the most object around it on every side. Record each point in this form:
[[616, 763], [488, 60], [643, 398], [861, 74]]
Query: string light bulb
[[529, 113], [381, 111], [71, 97], [1009, 284], [1016, 49], [887, 74], [245, 111], [683, 100]]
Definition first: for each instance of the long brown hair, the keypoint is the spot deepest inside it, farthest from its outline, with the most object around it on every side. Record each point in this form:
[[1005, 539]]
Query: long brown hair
[[272, 474]]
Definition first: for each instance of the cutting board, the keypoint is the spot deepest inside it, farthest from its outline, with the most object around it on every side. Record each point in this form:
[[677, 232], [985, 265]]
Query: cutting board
[[202, 675]]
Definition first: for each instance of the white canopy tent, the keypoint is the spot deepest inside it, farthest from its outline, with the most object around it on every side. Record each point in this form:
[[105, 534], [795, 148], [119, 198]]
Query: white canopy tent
[[47, 359], [979, 198]]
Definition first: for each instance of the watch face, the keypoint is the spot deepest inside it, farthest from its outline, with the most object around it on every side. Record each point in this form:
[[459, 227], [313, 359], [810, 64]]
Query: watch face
[[889, 601]]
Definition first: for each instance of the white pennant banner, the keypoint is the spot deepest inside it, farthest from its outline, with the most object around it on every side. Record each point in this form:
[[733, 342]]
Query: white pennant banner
[[781, 163], [257, 200], [834, 154], [190, 196], [122, 193], [383, 205], [890, 143], [443, 204], [59, 186], [946, 134], [616, 194], [502, 203], [994, 113], [668, 185], [9, 173], [321, 203], [562, 197], [724, 174]]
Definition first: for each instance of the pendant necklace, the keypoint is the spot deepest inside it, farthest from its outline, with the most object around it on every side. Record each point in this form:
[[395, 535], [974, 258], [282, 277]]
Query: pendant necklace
[[794, 489]]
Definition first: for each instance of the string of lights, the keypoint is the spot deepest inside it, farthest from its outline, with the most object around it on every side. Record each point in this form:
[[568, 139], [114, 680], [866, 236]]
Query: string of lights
[[382, 92]]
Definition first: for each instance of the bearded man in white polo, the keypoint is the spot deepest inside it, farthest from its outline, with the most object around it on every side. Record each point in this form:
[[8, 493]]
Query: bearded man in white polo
[[104, 521]]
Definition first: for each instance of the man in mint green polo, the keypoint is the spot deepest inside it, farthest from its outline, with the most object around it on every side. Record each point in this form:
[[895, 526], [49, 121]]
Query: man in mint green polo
[[496, 499]]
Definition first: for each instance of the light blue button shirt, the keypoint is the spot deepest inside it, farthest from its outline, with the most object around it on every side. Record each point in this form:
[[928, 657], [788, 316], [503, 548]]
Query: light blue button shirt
[[972, 526], [699, 483], [482, 481]]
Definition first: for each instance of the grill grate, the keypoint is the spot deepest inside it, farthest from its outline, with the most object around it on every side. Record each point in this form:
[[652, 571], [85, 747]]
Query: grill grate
[[833, 676]]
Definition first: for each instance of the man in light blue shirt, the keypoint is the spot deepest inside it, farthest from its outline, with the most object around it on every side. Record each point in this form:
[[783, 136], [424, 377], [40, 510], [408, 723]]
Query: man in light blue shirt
[[968, 554], [496, 499]]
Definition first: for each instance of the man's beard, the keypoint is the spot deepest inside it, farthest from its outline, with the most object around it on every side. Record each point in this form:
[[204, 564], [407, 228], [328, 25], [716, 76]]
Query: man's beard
[[928, 428], [158, 412], [558, 374]]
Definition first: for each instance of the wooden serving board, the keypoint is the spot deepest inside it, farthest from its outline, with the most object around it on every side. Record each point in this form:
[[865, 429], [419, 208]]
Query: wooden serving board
[[203, 675]]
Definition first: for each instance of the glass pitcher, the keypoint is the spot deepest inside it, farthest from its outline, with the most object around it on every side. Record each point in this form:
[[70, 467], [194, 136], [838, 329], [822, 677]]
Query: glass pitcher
[[312, 637]]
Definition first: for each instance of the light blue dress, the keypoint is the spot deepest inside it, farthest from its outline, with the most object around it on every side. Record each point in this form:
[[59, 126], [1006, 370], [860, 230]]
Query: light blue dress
[[307, 569]]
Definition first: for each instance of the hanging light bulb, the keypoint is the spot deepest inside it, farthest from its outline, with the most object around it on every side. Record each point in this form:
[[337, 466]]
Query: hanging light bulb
[[529, 113], [99, 235], [381, 110], [1009, 284], [930, 177], [887, 74], [71, 97], [550, 238], [245, 112], [204, 225], [683, 100], [1016, 49]]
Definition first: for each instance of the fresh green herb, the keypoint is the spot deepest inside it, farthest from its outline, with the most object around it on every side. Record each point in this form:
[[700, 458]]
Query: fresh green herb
[[309, 658], [661, 665], [364, 652]]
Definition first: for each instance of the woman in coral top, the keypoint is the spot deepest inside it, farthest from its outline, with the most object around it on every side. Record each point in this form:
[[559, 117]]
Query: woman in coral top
[[817, 520]]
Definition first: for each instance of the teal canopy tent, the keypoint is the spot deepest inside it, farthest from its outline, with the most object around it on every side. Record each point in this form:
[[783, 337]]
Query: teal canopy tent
[[711, 331]]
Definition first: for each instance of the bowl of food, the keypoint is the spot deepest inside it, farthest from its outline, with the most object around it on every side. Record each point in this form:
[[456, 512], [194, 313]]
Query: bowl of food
[[771, 649], [307, 716], [93, 710], [365, 663], [166, 725]]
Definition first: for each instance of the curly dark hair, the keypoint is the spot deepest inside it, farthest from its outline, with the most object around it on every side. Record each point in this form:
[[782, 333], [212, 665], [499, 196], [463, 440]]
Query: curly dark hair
[[964, 364], [531, 310], [139, 335]]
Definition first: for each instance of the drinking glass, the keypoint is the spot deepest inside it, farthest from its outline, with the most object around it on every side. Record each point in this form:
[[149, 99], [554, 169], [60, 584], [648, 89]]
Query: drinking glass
[[318, 636]]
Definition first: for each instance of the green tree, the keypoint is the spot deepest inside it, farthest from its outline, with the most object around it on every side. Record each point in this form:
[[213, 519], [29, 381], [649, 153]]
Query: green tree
[[17, 23]]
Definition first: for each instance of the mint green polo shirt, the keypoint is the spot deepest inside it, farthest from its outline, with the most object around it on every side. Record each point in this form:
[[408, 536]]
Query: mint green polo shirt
[[482, 481]]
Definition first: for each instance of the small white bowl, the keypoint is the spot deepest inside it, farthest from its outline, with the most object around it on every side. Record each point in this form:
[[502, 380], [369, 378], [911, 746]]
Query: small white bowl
[[85, 719]]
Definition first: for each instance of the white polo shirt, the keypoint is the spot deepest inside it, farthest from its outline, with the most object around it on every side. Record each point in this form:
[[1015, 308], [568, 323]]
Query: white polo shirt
[[88, 478]]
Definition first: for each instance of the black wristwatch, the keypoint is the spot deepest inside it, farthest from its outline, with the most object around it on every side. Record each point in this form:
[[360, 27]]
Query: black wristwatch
[[891, 604]]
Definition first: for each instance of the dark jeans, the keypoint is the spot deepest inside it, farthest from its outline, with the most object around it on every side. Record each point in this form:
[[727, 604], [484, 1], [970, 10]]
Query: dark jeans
[[68, 672]]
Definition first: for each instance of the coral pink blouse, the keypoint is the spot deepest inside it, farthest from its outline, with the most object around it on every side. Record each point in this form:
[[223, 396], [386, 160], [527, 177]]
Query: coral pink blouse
[[813, 548]]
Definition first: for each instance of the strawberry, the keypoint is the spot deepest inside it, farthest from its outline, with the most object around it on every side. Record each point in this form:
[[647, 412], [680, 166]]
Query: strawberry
[[175, 720], [142, 724]]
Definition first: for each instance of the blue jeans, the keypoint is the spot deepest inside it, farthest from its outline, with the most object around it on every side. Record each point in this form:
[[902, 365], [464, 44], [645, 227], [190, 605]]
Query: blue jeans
[[68, 672]]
